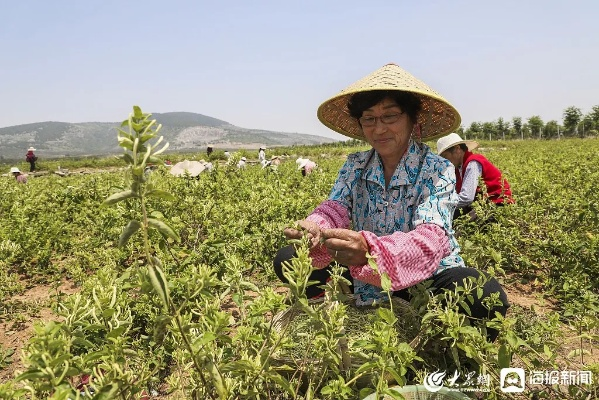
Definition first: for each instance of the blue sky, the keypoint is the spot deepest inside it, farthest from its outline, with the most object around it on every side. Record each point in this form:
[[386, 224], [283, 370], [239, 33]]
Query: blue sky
[[269, 64]]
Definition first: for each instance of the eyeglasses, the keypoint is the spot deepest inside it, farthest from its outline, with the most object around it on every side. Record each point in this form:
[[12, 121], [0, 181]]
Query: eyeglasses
[[386, 119]]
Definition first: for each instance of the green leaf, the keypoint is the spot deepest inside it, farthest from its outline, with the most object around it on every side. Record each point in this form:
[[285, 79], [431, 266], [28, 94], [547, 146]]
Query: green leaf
[[125, 143], [132, 227], [146, 136], [31, 375], [163, 228], [385, 282], [547, 351], [158, 280], [154, 160], [161, 194], [107, 392], [504, 357], [116, 332], [137, 113], [124, 134], [120, 196], [127, 157]]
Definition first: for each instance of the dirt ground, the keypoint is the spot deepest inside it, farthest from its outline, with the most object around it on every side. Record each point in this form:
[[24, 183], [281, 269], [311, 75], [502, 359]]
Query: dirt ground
[[33, 306]]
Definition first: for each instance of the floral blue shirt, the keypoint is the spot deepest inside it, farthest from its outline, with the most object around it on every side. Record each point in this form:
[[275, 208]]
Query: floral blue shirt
[[421, 191]]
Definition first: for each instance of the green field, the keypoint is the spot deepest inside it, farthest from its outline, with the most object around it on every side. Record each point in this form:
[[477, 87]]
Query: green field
[[202, 328]]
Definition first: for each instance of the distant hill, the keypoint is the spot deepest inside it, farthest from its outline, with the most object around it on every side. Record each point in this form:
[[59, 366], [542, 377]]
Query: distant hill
[[185, 131]]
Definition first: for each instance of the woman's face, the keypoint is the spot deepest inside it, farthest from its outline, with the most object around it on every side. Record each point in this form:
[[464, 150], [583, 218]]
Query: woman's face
[[390, 138], [455, 155]]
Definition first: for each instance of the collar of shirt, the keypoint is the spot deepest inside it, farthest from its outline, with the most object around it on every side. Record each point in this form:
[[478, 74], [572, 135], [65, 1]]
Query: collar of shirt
[[405, 173]]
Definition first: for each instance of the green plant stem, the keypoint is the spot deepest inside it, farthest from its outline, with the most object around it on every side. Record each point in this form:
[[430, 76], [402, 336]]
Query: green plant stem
[[170, 305]]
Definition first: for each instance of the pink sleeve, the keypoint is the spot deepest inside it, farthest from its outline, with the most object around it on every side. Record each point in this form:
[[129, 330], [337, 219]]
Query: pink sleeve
[[408, 258], [329, 214]]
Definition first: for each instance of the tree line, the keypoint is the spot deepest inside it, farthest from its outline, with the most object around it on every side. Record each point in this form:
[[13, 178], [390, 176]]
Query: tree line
[[574, 124]]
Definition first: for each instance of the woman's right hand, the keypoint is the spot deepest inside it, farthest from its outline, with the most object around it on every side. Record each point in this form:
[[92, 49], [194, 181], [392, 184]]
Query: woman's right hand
[[309, 228]]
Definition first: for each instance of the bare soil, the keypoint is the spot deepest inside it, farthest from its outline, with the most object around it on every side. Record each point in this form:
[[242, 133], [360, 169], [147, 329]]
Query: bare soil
[[33, 306]]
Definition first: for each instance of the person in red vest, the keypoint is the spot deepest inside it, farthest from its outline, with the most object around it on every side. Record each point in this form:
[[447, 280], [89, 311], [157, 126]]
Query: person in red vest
[[469, 167]]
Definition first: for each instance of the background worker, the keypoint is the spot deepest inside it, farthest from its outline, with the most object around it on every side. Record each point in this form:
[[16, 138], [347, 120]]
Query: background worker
[[31, 158], [19, 176], [262, 154], [469, 167]]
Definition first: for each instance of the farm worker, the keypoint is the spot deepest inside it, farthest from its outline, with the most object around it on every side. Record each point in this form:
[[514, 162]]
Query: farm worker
[[241, 163], [31, 158], [19, 176], [398, 197], [209, 150], [227, 155], [275, 160], [469, 167], [262, 154], [305, 165]]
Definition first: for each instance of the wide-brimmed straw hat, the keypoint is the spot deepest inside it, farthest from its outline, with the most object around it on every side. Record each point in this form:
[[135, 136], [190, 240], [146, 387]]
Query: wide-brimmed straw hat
[[453, 139], [31, 149], [437, 116], [14, 169]]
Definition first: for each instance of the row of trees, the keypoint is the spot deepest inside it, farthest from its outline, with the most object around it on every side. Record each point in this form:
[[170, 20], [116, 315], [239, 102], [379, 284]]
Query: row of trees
[[574, 124]]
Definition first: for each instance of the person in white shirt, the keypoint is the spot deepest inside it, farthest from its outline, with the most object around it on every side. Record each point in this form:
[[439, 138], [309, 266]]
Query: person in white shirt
[[262, 154], [469, 168], [242, 163]]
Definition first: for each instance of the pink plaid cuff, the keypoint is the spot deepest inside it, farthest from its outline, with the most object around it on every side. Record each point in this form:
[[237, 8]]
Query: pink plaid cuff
[[408, 258], [329, 214]]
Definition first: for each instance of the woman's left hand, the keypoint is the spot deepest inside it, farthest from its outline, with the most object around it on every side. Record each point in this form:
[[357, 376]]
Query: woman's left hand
[[347, 247]]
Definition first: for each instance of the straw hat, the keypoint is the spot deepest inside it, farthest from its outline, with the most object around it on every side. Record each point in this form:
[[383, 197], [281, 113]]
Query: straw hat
[[31, 149], [14, 169], [302, 162], [437, 117], [454, 139]]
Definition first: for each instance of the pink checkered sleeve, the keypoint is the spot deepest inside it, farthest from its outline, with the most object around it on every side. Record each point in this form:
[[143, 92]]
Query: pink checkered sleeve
[[329, 214], [407, 258]]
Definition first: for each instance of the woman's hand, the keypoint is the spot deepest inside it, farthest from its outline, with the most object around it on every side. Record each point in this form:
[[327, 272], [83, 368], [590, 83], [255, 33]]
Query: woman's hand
[[347, 247], [310, 229]]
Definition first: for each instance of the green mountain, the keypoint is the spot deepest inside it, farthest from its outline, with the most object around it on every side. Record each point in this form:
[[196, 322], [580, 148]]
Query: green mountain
[[184, 131]]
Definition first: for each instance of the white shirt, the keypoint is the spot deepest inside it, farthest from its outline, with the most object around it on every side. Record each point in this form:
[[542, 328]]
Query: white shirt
[[261, 155], [474, 170]]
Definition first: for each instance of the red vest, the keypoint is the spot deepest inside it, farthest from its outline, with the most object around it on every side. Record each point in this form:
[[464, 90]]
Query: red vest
[[498, 189]]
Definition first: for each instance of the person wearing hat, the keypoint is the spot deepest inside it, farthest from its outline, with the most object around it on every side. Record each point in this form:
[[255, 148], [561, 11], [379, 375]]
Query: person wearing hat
[[394, 202], [31, 158], [275, 160], [19, 176], [242, 162], [262, 154], [469, 167], [305, 165]]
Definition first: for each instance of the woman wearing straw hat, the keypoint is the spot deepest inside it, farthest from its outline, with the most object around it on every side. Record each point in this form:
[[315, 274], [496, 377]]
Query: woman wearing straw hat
[[305, 165], [19, 176], [398, 197], [31, 158], [469, 167]]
